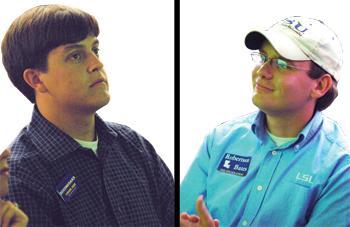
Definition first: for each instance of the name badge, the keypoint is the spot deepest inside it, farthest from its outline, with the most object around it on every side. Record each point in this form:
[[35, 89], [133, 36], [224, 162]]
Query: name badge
[[235, 164], [67, 187]]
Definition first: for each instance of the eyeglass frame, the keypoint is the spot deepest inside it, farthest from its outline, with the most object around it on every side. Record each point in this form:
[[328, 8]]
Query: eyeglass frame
[[274, 62]]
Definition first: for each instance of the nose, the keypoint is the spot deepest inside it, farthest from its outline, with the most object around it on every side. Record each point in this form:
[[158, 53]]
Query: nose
[[265, 70], [95, 63]]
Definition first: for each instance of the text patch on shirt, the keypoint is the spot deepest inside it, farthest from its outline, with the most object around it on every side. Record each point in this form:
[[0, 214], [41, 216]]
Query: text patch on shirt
[[235, 164], [67, 187]]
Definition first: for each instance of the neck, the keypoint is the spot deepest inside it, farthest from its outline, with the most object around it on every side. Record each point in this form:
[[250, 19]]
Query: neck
[[287, 125], [75, 123]]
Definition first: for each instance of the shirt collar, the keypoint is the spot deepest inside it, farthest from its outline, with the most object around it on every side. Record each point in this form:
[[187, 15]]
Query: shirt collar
[[311, 128], [259, 126], [53, 143]]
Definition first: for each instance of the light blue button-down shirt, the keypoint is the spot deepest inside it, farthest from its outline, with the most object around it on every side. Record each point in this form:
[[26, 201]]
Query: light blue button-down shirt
[[247, 180]]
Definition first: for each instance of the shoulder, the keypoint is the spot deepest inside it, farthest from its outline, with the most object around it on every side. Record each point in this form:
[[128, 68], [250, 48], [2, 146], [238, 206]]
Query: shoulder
[[334, 134], [130, 137], [26, 161], [138, 147], [239, 125], [22, 147], [30, 171], [117, 127], [125, 131], [334, 147]]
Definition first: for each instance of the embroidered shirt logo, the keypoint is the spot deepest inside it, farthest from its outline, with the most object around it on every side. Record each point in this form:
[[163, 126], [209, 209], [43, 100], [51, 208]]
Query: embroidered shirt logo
[[306, 178], [235, 164]]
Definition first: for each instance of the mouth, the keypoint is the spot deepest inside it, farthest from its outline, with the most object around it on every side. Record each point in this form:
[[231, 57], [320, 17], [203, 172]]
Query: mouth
[[98, 82], [262, 88]]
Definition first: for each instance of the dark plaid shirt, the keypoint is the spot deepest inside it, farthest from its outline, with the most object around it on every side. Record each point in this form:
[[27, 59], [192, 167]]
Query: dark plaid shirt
[[126, 184]]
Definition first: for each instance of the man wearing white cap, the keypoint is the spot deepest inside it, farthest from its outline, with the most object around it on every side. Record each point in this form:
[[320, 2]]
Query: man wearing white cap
[[287, 164]]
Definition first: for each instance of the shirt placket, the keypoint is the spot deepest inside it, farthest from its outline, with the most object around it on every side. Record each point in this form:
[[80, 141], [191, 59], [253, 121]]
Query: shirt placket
[[260, 185]]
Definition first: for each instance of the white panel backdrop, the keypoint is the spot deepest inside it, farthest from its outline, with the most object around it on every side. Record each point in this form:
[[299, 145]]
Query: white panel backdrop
[[215, 65], [137, 49]]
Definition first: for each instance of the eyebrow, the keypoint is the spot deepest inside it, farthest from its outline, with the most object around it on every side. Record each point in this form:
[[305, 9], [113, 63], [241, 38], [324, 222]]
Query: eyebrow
[[78, 46]]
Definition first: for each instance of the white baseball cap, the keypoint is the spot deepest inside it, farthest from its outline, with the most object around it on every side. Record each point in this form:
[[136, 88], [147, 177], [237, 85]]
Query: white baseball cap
[[298, 38]]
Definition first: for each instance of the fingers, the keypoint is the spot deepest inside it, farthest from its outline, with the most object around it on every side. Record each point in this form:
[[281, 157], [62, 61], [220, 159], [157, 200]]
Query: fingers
[[3, 209], [204, 215], [191, 218], [184, 215], [204, 219], [216, 222], [11, 214], [5, 206], [194, 218], [20, 219], [202, 210], [185, 220], [5, 154]]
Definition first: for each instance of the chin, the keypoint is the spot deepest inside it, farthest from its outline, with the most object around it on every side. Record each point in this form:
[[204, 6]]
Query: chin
[[101, 103], [106, 100], [261, 104], [257, 101]]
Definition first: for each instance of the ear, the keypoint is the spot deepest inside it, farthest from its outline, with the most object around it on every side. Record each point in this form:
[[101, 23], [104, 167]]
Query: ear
[[32, 78], [322, 85]]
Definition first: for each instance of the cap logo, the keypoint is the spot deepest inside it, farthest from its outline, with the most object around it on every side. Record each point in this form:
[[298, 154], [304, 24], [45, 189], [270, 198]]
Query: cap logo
[[299, 39], [295, 25]]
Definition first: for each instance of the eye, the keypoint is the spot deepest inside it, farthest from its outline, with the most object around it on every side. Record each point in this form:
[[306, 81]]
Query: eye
[[96, 50], [76, 56], [263, 58], [281, 64]]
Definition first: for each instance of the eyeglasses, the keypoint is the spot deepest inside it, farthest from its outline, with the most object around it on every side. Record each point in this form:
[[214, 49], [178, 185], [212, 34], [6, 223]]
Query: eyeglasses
[[278, 63]]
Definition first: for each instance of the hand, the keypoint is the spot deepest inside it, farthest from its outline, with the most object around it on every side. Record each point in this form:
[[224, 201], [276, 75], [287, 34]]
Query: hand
[[4, 172], [203, 220], [11, 215]]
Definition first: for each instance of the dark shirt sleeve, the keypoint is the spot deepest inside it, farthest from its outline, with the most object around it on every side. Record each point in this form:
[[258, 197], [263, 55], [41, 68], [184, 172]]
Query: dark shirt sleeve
[[166, 188], [160, 176], [33, 198]]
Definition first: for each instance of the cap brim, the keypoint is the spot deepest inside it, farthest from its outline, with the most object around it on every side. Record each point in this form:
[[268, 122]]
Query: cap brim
[[284, 45]]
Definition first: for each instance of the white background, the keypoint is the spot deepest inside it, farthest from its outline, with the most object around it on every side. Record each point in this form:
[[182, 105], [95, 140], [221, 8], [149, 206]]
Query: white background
[[137, 49], [216, 67]]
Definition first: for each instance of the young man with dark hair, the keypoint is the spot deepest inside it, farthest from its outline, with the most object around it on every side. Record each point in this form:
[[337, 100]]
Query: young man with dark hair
[[69, 167], [287, 164]]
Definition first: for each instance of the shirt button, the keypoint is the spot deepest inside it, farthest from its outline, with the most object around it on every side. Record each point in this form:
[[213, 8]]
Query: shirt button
[[259, 187], [274, 153], [244, 223]]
